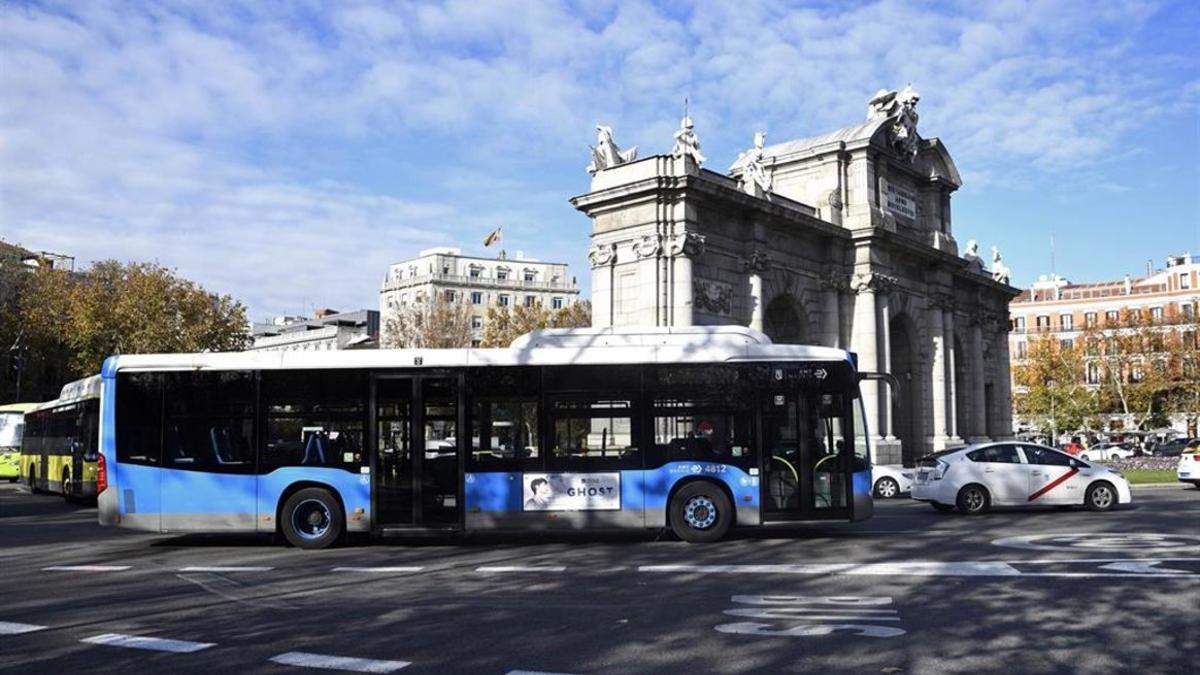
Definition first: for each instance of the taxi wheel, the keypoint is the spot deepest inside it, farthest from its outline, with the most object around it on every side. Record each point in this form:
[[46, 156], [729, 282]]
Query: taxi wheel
[[973, 499], [1101, 496], [887, 488], [942, 508]]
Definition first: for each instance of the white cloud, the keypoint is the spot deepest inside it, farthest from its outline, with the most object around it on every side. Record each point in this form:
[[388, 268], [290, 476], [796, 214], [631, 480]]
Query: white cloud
[[202, 134]]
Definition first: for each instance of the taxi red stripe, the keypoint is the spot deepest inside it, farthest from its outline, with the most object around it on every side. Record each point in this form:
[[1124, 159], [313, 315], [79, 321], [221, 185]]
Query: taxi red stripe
[[1053, 484]]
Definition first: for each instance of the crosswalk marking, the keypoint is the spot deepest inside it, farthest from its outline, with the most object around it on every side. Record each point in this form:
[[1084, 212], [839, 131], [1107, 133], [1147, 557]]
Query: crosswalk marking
[[378, 570], [86, 568], [518, 568], [150, 643], [308, 660], [11, 628], [201, 568]]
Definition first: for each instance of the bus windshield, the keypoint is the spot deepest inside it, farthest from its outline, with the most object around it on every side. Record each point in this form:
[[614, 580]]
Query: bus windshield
[[12, 424]]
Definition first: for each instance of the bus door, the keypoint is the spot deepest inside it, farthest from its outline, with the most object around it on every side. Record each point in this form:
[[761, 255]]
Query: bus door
[[417, 455], [804, 457]]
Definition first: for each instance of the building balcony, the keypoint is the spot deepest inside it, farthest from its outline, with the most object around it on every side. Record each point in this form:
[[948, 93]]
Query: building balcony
[[466, 281]]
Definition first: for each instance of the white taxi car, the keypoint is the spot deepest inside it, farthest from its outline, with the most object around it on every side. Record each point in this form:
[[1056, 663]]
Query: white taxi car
[[891, 480], [978, 477], [1188, 470]]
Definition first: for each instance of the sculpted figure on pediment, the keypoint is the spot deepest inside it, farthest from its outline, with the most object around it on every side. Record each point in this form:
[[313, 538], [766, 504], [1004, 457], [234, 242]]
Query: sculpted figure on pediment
[[607, 153], [971, 255], [1000, 271], [687, 144], [755, 176]]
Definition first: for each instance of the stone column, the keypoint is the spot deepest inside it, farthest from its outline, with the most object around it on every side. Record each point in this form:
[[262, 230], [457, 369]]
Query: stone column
[[979, 412], [647, 250], [603, 258], [885, 347], [832, 287], [938, 374], [952, 381], [755, 266], [684, 247], [865, 339]]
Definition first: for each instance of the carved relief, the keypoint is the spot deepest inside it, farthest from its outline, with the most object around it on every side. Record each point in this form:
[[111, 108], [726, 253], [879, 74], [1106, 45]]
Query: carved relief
[[600, 255], [942, 301], [713, 297], [757, 263], [648, 246], [688, 244], [873, 281]]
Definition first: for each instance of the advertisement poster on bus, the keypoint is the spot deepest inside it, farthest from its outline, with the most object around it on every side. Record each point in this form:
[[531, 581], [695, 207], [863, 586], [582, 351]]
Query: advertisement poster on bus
[[572, 491]]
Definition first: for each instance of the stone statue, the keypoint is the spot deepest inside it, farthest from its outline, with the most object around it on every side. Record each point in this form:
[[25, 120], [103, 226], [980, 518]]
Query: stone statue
[[755, 176], [607, 154], [903, 107], [686, 142], [972, 257], [1000, 271]]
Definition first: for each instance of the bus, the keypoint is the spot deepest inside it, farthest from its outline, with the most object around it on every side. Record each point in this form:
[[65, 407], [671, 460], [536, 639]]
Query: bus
[[12, 427], [698, 429], [60, 450]]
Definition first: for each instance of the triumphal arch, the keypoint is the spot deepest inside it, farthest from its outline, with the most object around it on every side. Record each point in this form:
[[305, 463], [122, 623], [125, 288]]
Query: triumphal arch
[[843, 239]]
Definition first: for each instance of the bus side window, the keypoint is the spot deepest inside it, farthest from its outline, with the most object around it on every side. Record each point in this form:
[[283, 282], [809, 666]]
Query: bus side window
[[209, 417], [139, 418], [313, 419], [596, 432]]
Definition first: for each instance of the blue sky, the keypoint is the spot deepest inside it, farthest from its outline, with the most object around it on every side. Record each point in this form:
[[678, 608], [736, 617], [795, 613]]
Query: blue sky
[[286, 153]]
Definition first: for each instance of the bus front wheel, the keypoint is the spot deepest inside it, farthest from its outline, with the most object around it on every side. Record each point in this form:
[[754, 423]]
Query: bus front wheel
[[700, 513], [312, 519]]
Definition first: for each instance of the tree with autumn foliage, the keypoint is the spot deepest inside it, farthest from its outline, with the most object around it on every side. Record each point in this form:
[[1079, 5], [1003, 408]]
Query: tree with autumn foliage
[[505, 324], [124, 308], [1133, 357], [436, 323], [1052, 389]]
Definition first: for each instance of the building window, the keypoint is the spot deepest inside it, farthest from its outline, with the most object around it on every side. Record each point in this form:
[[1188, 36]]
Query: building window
[[451, 296], [530, 275], [556, 303], [1156, 313], [403, 299], [1043, 323], [476, 343], [1112, 316], [1090, 319], [475, 271], [1093, 373], [477, 322], [1066, 322], [503, 300], [502, 274], [1021, 349], [1187, 311], [530, 301], [1185, 280], [1067, 344], [445, 269], [476, 298]]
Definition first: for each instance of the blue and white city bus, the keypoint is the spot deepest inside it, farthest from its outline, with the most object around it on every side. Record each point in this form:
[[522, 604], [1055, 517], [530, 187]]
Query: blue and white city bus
[[697, 429]]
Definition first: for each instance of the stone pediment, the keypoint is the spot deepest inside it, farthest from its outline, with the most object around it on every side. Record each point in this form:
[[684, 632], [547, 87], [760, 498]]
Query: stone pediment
[[859, 133]]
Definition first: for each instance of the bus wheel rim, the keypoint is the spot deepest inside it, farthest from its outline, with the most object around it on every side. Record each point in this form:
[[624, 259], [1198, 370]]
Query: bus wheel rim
[[311, 519], [700, 512]]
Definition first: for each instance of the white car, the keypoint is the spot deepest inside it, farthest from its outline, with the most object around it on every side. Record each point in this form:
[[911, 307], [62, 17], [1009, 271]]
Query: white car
[[978, 477], [1188, 470], [1105, 452], [891, 480]]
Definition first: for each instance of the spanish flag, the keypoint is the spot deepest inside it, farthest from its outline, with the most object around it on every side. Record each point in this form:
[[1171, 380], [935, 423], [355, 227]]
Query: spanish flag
[[492, 238]]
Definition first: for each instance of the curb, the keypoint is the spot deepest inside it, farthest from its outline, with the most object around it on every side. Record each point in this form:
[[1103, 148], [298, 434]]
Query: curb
[[1159, 486]]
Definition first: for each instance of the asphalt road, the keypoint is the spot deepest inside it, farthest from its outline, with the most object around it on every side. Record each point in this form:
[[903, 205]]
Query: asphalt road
[[910, 591]]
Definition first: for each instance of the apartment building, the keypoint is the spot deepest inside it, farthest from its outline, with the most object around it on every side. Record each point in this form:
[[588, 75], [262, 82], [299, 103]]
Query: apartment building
[[446, 274]]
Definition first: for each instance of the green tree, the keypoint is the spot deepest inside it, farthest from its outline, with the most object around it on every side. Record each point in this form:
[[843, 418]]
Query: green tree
[[1134, 366], [119, 308], [1052, 392], [505, 324]]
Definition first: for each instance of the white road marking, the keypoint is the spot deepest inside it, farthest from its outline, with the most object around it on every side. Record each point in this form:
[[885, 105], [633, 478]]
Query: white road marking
[[991, 569], [518, 568], [150, 643], [1061, 561], [1142, 567], [378, 570], [307, 660], [86, 568], [225, 569], [10, 628], [532, 672]]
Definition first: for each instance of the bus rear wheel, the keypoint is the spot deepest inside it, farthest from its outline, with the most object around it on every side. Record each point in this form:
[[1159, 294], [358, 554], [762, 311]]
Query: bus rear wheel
[[700, 513], [312, 519]]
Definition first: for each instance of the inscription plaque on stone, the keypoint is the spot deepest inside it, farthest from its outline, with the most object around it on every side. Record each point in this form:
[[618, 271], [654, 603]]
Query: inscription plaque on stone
[[901, 202]]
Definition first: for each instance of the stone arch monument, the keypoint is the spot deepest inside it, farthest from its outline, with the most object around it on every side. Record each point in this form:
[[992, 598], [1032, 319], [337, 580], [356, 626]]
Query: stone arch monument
[[843, 239]]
